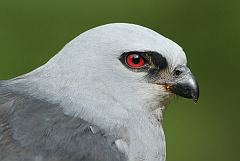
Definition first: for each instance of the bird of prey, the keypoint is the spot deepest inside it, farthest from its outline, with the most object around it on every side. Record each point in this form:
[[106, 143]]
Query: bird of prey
[[101, 98]]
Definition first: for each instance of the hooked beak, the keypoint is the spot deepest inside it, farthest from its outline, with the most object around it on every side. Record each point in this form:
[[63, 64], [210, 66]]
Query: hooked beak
[[184, 84]]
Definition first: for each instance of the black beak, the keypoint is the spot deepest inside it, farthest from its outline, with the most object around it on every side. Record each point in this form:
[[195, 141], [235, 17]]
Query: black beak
[[184, 84]]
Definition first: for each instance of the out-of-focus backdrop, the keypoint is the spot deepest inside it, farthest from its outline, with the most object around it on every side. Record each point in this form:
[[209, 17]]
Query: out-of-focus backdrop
[[31, 32]]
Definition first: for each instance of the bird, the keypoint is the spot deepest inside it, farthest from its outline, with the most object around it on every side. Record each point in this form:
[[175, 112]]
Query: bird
[[100, 98]]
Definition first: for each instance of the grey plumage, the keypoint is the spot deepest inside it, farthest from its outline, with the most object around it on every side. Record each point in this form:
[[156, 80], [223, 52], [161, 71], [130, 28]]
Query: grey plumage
[[36, 130]]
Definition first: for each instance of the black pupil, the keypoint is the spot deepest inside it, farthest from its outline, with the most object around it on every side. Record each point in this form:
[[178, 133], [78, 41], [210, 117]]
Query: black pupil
[[136, 59]]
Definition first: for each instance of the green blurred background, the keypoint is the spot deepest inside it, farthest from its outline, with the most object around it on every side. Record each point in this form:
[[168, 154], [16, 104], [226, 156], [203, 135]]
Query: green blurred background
[[32, 31]]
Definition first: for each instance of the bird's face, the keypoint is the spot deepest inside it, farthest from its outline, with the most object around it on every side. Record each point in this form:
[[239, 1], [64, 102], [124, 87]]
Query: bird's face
[[124, 65], [159, 72]]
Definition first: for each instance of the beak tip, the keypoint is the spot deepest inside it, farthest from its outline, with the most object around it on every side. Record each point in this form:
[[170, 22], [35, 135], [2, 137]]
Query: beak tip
[[195, 100], [195, 94]]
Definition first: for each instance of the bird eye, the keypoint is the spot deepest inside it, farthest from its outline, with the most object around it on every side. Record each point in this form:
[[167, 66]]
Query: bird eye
[[135, 60]]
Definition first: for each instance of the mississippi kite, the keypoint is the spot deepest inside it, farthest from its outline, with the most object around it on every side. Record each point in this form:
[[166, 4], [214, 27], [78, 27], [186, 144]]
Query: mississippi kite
[[101, 98]]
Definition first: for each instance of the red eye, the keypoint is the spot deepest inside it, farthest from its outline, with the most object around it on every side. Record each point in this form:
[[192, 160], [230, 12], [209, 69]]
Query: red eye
[[135, 61]]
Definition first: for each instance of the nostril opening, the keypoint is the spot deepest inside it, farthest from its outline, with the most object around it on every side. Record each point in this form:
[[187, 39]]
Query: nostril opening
[[178, 72]]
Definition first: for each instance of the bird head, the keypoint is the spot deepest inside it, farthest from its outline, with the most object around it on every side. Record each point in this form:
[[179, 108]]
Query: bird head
[[117, 66]]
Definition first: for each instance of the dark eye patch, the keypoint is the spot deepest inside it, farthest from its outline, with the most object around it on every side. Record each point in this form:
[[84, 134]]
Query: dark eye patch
[[159, 61], [156, 60]]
